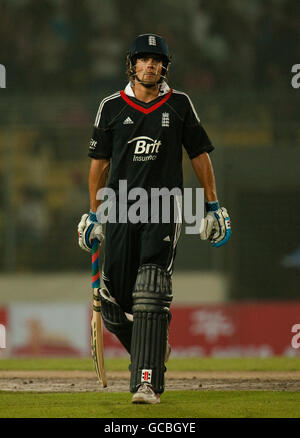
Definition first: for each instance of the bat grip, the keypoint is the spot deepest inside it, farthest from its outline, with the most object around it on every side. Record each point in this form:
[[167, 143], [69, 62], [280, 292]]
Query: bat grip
[[95, 264]]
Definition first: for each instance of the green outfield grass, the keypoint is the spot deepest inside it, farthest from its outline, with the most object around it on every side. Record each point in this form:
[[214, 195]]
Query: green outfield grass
[[190, 364], [174, 404]]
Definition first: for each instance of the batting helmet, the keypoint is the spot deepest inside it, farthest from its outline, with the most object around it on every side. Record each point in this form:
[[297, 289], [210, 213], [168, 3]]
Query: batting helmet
[[148, 43]]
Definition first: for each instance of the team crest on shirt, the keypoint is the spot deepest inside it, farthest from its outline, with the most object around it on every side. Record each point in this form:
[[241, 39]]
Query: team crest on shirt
[[165, 120]]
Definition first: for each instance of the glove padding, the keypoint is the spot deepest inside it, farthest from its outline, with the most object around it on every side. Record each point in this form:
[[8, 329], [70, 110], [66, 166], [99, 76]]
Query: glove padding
[[216, 227], [88, 231]]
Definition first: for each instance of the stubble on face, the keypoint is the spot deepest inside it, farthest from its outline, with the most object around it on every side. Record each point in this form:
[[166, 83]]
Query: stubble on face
[[148, 70]]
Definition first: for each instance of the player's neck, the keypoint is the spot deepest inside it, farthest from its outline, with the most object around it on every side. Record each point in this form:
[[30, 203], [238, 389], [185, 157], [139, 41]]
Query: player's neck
[[145, 94]]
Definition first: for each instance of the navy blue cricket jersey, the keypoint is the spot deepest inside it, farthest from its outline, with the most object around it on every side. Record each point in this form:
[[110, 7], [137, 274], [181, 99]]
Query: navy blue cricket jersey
[[144, 140]]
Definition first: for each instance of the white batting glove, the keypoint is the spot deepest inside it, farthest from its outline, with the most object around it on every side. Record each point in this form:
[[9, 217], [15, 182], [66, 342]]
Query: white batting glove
[[216, 226], [88, 230]]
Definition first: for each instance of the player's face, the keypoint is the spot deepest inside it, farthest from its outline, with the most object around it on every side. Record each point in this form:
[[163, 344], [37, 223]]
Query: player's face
[[148, 68]]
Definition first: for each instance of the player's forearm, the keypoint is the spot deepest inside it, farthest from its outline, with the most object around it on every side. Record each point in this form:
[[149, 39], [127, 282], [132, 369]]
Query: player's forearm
[[204, 171], [97, 180]]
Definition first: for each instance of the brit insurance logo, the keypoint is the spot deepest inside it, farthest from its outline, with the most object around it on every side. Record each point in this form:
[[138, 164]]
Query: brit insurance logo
[[145, 148]]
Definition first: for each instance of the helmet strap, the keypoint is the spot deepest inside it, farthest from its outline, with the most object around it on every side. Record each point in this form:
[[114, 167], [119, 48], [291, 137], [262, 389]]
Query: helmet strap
[[163, 77]]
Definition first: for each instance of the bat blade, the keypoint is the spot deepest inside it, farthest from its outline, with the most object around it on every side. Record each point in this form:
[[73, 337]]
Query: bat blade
[[97, 347]]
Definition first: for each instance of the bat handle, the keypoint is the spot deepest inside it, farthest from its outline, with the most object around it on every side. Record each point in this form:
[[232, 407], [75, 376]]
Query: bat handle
[[95, 264]]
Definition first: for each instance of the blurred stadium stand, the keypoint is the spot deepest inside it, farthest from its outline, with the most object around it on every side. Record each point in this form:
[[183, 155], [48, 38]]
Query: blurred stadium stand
[[234, 59]]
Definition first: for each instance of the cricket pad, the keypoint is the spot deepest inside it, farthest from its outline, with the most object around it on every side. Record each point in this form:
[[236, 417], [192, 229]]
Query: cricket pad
[[152, 297], [115, 319]]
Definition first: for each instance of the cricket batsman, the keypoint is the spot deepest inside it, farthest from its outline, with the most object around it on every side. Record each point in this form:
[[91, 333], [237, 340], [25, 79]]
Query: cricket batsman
[[137, 138]]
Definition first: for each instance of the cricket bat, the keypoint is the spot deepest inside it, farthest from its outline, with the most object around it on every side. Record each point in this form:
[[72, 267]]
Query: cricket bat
[[96, 322]]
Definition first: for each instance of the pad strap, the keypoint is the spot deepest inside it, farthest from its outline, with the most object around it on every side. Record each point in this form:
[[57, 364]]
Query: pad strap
[[115, 319]]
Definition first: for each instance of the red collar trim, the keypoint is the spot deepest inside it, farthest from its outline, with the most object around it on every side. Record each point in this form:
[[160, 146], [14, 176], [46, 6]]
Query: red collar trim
[[141, 108]]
